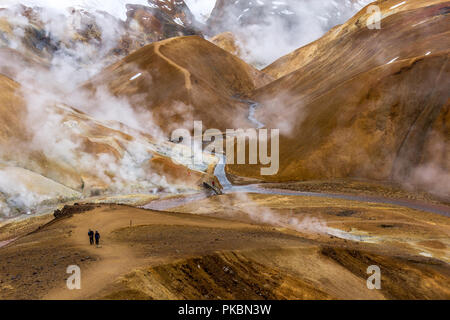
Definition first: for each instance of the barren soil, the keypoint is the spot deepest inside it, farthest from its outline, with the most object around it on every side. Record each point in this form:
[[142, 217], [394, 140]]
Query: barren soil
[[224, 253]]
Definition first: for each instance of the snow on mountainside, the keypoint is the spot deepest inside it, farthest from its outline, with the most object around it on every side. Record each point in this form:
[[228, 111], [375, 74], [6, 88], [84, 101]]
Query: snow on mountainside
[[269, 29], [115, 8], [371, 104], [88, 31]]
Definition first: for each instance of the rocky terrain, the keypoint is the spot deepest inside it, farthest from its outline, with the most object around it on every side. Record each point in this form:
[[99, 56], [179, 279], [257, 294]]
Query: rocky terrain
[[224, 251]]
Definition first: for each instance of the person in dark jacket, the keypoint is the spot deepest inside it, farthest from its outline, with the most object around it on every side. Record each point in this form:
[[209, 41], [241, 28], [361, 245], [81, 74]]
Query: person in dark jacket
[[91, 236], [97, 238]]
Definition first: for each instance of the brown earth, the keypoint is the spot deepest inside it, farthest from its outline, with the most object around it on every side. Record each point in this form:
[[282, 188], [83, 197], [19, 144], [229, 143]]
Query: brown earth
[[387, 190], [370, 104], [14, 62], [162, 255]]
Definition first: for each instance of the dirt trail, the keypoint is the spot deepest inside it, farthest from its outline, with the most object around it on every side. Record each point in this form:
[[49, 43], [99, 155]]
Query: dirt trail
[[187, 74], [149, 254], [114, 260], [116, 257]]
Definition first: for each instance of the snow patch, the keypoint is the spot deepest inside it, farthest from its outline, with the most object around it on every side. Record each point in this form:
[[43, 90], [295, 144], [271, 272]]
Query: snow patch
[[426, 254], [393, 60], [397, 5], [136, 76]]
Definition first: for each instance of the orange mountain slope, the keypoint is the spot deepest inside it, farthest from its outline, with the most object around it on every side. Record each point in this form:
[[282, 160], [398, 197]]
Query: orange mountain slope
[[366, 103], [409, 30], [184, 79]]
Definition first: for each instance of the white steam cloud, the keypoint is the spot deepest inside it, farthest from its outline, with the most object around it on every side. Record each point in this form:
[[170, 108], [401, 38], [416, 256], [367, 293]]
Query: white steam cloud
[[267, 30], [59, 133]]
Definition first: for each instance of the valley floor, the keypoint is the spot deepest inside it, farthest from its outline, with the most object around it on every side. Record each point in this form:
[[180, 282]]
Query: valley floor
[[233, 246]]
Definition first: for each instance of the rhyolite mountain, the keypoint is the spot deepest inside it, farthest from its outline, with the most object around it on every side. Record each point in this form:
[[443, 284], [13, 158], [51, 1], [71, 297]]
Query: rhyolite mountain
[[365, 103]]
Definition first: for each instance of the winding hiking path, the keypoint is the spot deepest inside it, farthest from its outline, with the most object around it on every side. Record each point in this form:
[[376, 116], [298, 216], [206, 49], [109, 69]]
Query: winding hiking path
[[113, 258], [186, 73]]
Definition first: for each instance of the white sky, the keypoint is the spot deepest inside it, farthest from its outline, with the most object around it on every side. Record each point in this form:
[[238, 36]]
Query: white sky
[[199, 8]]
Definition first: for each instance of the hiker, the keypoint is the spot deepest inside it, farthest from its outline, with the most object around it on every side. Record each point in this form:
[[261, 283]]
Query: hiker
[[91, 236], [97, 238]]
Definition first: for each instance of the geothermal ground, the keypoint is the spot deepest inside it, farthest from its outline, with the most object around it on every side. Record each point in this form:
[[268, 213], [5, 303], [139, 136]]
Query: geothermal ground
[[233, 246], [90, 101]]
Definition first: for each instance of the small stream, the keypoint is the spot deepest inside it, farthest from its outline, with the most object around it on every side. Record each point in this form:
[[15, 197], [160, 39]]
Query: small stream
[[251, 114], [252, 106]]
